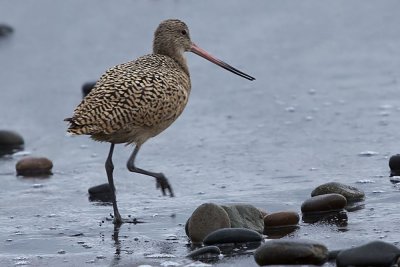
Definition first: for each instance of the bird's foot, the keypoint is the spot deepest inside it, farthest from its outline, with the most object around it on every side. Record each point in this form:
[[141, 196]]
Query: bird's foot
[[162, 182], [116, 218]]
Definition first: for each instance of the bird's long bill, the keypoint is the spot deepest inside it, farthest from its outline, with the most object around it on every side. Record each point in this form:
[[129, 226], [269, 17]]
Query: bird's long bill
[[198, 51]]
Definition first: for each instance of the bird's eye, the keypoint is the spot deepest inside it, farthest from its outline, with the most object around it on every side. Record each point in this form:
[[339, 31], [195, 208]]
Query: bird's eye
[[183, 32]]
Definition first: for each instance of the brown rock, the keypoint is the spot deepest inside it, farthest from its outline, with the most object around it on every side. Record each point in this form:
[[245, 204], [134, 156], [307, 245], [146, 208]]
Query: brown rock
[[32, 166], [283, 218], [207, 218], [323, 203]]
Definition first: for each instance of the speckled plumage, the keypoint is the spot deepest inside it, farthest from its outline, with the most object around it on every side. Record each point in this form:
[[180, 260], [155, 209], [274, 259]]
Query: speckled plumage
[[137, 100], [133, 101]]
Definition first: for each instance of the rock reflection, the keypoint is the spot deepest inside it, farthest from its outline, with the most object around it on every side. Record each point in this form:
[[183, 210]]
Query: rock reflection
[[338, 218], [279, 232]]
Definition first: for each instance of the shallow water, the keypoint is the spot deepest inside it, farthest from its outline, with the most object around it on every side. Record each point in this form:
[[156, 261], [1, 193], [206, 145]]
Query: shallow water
[[326, 95]]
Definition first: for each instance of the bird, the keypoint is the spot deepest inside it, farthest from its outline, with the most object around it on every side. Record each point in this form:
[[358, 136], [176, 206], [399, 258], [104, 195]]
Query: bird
[[137, 100]]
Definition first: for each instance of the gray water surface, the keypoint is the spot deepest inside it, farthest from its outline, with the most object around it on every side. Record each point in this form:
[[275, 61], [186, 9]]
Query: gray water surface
[[327, 93]]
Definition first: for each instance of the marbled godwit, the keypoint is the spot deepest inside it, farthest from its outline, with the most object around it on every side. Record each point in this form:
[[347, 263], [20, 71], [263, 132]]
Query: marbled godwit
[[137, 100]]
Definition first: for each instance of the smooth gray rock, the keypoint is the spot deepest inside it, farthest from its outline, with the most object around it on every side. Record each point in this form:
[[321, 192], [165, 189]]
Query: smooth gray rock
[[291, 252], [324, 203], [207, 218], [349, 192], [232, 235], [205, 252], [245, 216], [376, 253]]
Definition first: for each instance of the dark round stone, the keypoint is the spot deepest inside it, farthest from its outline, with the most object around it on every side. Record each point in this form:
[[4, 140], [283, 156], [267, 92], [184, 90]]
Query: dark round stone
[[376, 253], [324, 203], [232, 235], [5, 30], [87, 87], [291, 252], [394, 165], [10, 142], [349, 192], [32, 166], [100, 193], [205, 253], [283, 218]]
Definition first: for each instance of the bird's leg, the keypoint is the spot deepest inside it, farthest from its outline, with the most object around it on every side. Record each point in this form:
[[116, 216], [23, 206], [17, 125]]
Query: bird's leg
[[162, 181], [109, 170]]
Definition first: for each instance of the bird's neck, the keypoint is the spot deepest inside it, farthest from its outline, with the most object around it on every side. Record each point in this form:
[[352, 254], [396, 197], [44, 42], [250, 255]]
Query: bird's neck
[[177, 56]]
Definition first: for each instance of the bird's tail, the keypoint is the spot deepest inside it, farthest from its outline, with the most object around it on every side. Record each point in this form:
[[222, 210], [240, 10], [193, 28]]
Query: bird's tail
[[77, 129]]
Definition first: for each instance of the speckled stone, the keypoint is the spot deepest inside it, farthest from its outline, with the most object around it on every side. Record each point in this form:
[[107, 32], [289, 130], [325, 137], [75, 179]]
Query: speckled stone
[[205, 252], [349, 192], [277, 252], [376, 253], [245, 216], [232, 235], [207, 218], [324, 203], [32, 166], [283, 218]]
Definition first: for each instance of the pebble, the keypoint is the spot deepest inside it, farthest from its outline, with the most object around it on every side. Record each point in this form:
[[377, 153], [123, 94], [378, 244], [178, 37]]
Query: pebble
[[100, 192], [10, 142], [5, 30], [376, 253], [34, 166], [394, 165], [207, 218], [245, 216], [324, 203], [349, 192], [280, 224], [283, 218], [87, 87], [232, 235], [291, 252], [205, 252]]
